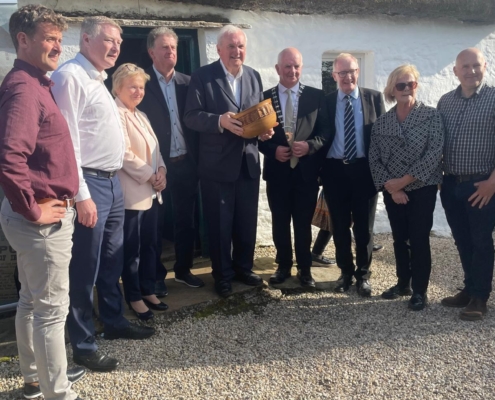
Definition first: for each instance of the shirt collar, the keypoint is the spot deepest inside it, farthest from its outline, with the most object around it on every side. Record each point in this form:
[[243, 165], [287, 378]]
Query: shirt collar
[[33, 71], [282, 88], [90, 69], [458, 91], [227, 73], [354, 94], [162, 78]]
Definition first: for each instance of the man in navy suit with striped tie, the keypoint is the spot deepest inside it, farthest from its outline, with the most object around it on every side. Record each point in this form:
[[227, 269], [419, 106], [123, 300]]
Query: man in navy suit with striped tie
[[346, 176]]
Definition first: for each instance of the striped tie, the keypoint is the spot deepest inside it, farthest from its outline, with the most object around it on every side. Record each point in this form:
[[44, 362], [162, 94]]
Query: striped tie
[[350, 150]]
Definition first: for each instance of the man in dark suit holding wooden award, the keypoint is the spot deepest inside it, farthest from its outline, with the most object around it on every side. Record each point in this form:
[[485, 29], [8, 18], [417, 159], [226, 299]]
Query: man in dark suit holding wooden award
[[229, 166], [346, 176], [164, 103], [291, 165]]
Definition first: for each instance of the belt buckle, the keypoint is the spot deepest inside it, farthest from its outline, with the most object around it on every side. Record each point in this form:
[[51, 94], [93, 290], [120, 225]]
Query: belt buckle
[[345, 161]]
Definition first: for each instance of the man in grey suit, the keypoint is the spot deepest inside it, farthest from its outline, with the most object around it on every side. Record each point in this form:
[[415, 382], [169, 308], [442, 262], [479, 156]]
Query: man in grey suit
[[229, 165]]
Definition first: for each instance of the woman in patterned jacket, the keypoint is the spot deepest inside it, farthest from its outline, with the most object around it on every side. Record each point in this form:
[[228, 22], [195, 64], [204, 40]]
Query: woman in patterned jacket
[[405, 156]]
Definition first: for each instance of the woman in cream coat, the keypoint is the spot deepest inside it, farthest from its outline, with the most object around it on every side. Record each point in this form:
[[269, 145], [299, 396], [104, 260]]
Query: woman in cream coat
[[143, 178]]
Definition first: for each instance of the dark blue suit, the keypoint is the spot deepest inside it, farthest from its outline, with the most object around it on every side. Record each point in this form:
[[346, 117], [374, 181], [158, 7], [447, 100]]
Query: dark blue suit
[[229, 167]]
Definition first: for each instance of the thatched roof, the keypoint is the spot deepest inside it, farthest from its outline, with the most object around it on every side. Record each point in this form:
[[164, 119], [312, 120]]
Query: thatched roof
[[478, 11]]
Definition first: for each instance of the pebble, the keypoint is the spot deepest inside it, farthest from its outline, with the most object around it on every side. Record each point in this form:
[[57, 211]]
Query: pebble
[[310, 345]]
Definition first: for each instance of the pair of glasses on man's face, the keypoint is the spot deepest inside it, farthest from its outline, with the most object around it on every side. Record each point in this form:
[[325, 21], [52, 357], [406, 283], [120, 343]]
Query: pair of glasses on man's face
[[402, 86]]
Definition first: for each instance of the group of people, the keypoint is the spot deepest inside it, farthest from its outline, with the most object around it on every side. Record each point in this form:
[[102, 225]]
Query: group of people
[[83, 175]]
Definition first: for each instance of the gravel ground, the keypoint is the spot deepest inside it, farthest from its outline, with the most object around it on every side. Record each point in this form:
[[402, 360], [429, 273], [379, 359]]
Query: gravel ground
[[320, 345]]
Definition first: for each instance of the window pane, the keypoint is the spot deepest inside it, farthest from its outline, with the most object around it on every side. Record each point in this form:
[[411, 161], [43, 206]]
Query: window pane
[[328, 83]]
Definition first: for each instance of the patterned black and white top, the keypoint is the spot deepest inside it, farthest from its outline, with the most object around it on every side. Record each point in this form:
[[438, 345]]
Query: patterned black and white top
[[469, 131], [413, 147]]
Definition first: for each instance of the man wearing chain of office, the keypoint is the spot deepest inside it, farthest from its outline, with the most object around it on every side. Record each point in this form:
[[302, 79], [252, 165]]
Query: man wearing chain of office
[[291, 163]]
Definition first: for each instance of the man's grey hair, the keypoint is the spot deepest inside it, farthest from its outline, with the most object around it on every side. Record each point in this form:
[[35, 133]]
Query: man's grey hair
[[343, 56], [229, 30], [91, 26], [160, 31], [281, 54]]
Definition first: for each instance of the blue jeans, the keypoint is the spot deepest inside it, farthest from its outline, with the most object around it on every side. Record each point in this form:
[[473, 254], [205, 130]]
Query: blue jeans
[[472, 229]]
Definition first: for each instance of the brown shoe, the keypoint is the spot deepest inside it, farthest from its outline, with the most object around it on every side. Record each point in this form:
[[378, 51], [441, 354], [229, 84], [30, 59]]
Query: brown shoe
[[460, 300], [475, 310]]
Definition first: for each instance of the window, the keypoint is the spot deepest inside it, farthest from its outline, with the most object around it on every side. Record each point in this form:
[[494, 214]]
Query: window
[[328, 83]]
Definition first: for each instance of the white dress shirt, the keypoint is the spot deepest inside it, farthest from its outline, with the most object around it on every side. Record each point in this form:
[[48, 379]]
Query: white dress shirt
[[92, 116], [177, 142], [235, 86], [337, 148], [282, 96]]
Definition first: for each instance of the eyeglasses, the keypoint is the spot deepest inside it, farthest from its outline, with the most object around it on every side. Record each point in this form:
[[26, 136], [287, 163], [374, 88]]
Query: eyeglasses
[[411, 85], [350, 72]]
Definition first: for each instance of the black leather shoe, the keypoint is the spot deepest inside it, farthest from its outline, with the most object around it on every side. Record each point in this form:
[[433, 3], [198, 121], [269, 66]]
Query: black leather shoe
[[190, 280], [249, 278], [306, 279], [363, 288], [223, 288], [161, 306], [97, 362], [135, 332], [160, 289], [396, 291], [418, 301], [31, 391], [280, 275], [75, 374], [322, 260], [377, 248], [145, 316], [343, 283]]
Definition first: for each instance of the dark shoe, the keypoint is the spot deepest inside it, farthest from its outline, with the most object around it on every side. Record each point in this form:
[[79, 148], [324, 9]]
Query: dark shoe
[[190, 280], [75, 374], [318, 259], [343, 283], [160, 289], [135, 332], [306, 279], [418, 301], [249, 278], [377, 248], [460, 300], [145, 316], [363, 287], [280, 275], [31, 391], [161, 306], [475, 310], [97, 362], [223, 288], [396, 291]]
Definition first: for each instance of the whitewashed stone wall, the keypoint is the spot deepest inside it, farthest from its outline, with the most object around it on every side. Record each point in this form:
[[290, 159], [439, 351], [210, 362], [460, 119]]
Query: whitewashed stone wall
[[386, 42]]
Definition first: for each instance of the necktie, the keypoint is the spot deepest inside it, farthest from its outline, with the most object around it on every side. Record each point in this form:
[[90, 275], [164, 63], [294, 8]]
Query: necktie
[[350, 150], [288, 121]]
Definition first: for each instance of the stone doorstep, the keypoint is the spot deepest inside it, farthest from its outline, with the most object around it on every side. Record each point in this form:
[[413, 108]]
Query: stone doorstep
[[181, 296]]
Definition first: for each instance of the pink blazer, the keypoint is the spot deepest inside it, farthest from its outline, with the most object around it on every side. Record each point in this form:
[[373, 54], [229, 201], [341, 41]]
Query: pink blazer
[[137, 169]]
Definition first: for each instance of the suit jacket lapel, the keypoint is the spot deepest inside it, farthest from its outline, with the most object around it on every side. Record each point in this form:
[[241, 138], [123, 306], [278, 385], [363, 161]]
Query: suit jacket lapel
[[221, 80], [298, 135], [180, 94], [154, 87], [365, 104]]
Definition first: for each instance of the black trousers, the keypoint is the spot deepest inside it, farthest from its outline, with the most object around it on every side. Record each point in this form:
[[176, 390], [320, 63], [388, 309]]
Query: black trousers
[[138, 274], [351, 197], [472, 229], [292, 199], [411, 225], [182, 182], [321, 242], [231, 214]]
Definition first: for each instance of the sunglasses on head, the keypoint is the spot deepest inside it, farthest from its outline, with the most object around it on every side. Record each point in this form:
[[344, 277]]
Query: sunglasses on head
[[411, 85]]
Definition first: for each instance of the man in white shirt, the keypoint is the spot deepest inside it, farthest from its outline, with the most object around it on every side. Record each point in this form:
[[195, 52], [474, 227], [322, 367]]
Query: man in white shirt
[[97, 254]]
